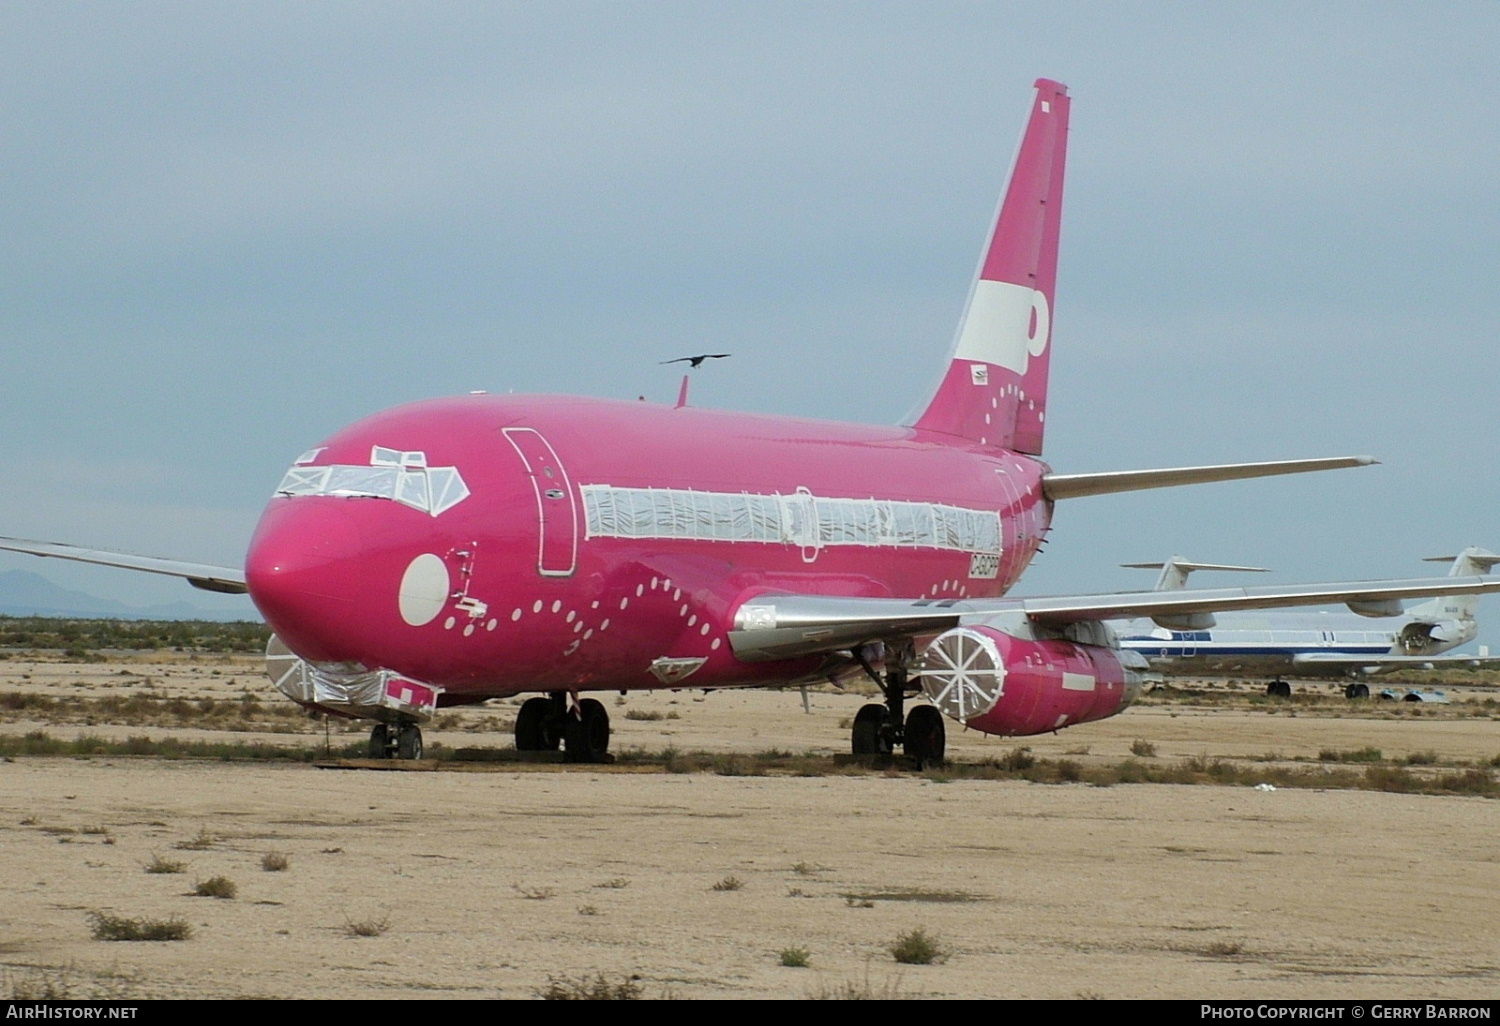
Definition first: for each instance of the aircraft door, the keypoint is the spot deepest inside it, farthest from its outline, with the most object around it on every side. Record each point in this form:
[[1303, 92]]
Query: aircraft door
[[800, 515], [557, 507], [1010, 513]]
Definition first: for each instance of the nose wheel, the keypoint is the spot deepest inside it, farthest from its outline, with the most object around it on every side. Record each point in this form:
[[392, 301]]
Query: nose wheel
[[396, 741]]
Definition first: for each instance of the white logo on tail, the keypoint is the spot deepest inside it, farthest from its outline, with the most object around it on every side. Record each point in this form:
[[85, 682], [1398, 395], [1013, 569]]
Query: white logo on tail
[[1004, 325]]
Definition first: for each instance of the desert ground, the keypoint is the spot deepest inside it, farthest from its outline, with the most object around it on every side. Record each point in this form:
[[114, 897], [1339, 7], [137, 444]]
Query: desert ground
[[514, 878]]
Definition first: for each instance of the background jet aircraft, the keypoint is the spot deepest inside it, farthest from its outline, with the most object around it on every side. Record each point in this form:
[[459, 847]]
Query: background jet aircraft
[[1313, 644], [483, 546]]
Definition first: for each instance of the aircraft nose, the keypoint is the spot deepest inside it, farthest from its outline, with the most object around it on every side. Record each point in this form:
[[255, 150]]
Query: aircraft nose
[[306, 575]]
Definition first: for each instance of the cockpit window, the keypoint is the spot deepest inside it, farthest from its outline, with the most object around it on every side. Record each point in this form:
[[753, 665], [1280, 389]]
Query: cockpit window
[[402, 477], [380, 457]]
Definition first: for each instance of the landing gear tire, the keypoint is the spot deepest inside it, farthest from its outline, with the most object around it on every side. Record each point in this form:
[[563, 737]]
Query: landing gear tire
[[586, 736], [409, 742], [1353, 691], [1279, 689], [926, 737], [868, 735], [380, 742], [536, 726]]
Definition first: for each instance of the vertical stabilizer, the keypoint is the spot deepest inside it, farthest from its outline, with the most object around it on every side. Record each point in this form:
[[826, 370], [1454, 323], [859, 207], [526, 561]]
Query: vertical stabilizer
[[994, 390], [1471, 562]]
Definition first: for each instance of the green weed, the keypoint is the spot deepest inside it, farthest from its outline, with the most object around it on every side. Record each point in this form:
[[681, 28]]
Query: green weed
[[917, 947]]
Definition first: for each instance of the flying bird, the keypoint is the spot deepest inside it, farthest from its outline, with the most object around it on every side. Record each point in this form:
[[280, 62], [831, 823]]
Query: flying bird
[[697, 360]]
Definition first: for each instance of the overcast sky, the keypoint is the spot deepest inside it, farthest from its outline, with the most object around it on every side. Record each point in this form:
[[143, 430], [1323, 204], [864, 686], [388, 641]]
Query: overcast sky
[[230, 229]]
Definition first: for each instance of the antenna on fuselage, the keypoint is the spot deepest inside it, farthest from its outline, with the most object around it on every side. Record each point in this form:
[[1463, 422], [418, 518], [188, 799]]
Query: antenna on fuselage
[[693, 362]]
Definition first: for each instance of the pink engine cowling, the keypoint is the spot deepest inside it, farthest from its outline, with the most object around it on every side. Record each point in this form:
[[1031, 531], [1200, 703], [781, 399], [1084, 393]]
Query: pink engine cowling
[[1002, 684]]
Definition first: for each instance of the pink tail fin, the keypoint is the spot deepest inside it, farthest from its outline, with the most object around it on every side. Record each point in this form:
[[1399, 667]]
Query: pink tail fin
[[995, 388]]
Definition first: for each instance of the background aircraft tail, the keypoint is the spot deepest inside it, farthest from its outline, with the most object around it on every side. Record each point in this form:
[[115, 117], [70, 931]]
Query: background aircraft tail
[[1471, 562], [994, 390], [1175, 571]]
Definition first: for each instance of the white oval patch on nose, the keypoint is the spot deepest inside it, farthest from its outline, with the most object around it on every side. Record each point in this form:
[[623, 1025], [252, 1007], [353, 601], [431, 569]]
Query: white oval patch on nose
[[424, 589]]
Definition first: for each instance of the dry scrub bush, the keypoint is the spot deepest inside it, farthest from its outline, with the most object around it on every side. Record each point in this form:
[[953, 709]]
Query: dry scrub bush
[[215, 887], [596, 988], [917, 947], [119, 928]]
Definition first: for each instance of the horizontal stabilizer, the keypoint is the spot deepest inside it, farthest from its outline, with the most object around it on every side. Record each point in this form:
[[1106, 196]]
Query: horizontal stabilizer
[[1473, 560], [1184, 564], [1175, 571], [1073, 486], [200, 575]]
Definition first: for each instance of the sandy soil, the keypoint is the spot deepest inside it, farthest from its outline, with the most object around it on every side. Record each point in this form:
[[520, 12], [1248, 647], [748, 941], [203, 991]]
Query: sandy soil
[[489, 884]]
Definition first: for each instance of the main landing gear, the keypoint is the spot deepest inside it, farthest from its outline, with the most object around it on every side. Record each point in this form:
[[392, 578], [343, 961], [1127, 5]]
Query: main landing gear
[[1279, 689], [1356, 690], [545, 723], [396, 741], [881, 729]]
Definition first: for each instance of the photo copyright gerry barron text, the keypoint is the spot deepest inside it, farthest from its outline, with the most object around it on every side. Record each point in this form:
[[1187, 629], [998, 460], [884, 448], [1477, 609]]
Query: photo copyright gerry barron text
[[1345, 1010]]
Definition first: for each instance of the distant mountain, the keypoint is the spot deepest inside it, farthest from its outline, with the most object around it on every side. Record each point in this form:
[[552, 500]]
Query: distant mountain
[[27, 594]]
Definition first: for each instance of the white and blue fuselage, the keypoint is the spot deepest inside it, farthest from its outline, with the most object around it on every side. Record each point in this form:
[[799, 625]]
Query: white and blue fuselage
[[1312, 644]]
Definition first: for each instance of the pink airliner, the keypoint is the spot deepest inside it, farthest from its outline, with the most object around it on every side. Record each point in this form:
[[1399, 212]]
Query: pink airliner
[[484, 546]]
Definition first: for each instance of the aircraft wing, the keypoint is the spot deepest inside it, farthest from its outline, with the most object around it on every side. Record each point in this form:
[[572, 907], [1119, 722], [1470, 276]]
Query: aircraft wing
[[200, 575], [1321, 660], [787, 626]]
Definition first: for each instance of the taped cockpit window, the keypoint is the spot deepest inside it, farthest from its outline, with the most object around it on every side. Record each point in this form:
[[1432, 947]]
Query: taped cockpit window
[[448, 489], [394, 475]]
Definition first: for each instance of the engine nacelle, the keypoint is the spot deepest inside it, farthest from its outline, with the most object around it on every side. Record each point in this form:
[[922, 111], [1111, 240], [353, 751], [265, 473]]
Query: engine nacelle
[[1002, 682], [1429, 638]]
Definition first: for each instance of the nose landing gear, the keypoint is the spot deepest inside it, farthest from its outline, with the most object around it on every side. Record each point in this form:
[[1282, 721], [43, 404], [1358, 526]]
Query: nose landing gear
[[396, 741]]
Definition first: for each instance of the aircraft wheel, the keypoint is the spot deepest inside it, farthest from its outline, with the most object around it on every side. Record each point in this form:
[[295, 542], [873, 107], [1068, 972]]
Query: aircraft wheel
[[926, 737], [380, 742], [1357, 691], [586, 736], [536, 730], [867, 734], [1279, 689], [409, 742]]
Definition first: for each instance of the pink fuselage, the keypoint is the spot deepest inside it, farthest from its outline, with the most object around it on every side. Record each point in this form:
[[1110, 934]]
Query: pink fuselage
[[531, 600]]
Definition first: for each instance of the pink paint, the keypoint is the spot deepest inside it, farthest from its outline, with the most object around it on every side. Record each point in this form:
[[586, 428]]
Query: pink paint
[[514, 588], [1007, 409], [1052, 684]]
